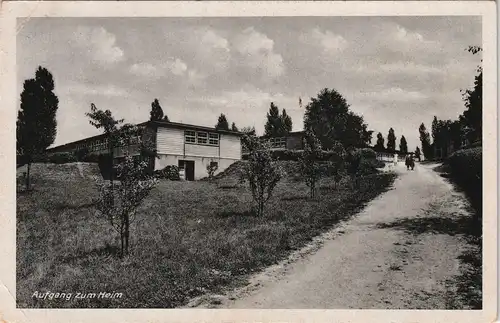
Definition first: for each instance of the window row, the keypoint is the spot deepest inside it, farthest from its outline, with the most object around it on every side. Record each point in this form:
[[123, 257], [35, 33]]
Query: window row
[[201, 138], [102, 144]]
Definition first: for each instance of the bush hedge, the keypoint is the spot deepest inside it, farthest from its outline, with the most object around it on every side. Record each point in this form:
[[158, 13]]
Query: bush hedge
[[466, 167], [170, 172]]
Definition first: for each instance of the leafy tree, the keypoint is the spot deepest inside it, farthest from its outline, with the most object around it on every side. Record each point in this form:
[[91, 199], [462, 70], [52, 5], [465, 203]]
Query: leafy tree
[[119, 203], [310, 161], [403, 145], [425, 141], [260, 171], [473, 100], [222, 123], [328, 116], [391, 141], [379, 146], [249, 131], [417, 153], [273, 126], [157, 112], [286, 123], [434, 129], [36, 125], [233, 127]]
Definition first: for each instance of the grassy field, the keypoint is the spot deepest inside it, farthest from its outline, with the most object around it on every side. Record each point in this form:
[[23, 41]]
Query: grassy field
[[188, 238]]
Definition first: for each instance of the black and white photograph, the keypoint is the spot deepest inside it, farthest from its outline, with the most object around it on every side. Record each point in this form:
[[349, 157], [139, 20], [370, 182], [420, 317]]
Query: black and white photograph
[[253, 161]]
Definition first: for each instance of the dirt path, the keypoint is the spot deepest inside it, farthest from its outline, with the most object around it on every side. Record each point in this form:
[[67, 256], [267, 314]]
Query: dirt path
[[397, 253]]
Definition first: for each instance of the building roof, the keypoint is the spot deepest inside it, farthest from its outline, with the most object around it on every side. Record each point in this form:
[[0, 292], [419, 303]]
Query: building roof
[[166, 124], [169, 124]]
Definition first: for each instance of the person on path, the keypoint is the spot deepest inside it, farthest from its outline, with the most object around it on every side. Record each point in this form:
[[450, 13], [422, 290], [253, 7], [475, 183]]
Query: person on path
[[395, 159]]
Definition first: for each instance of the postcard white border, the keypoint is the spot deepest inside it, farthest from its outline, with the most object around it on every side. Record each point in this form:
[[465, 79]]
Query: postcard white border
[[9, 11]]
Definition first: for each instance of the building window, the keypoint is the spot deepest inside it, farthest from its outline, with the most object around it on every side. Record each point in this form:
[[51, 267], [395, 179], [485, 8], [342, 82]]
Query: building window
[[190, 136], [202, 138], [213, 139]]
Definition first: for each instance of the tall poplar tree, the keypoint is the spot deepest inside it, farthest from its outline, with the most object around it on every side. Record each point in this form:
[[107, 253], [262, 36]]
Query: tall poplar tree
[[36, 125]]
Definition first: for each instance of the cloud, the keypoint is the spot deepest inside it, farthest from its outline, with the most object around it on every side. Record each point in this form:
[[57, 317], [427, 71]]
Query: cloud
[[394, 94], [329, 41], [174, 66], [108, 90], [100, 44], [257, 52]]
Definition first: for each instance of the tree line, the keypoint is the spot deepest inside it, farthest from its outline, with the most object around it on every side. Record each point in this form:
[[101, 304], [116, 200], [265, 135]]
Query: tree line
[[455, 133]]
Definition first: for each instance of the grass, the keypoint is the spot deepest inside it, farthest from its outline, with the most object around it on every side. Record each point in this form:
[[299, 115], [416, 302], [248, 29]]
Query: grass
[[188, 238]]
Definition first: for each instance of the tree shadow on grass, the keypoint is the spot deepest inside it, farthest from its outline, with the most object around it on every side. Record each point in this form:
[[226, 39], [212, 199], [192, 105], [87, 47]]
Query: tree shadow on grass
[[103, 252], [229, 214], [438, 225]]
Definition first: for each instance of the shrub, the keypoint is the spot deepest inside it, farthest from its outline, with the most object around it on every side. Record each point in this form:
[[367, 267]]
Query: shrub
[[62, 158], [81, 153], [261, 172], [466, 169], [211, 169], [367, 153], [171, 172]]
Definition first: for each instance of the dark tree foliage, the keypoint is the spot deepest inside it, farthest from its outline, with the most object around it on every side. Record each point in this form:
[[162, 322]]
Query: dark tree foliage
[[286, 123], [391, 141], [222, 123], [473, 100], [157, 112], [425, 140], [36, 125], [379, 146], [328, 116], [403, 145], [233, 127], [273, 126]]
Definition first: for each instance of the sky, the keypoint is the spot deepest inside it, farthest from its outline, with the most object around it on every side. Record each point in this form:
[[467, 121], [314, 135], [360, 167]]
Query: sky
[[394, 71]]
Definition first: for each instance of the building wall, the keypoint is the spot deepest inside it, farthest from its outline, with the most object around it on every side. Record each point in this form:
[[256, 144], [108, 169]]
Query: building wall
[[170, 141], [230, 146], [200, 163]]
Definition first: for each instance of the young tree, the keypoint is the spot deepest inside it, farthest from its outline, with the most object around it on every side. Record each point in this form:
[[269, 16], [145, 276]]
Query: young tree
[[310, 162], [222, 123], [286, 123], [157, 112], [379, 146], [119, 203], [391, 141], [336, 162], [273, 126], [261, 172], [36, 120], [417, 153], [403, 145], [425, 141], [353, 161], [104, 120], [233, 127]]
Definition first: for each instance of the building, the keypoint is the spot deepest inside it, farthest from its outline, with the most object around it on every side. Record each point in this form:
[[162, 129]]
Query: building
[[191, 148], [294, 141]]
